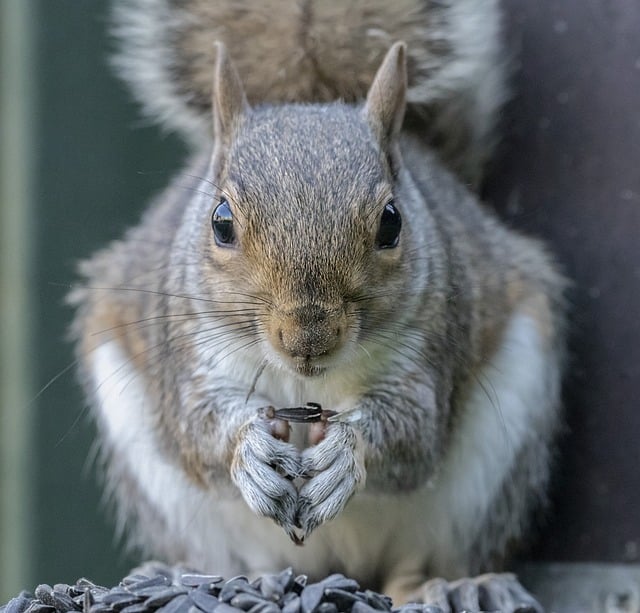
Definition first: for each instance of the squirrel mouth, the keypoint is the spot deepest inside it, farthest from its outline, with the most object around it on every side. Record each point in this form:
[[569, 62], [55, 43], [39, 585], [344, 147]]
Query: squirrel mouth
[[307, 368]]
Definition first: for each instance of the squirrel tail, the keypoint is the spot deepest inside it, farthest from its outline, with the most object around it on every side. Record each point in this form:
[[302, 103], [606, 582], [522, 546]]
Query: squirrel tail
[[318, 51]]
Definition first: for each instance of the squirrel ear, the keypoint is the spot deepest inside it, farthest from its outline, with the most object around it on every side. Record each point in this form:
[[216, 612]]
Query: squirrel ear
[[228, 101], [385, 105]]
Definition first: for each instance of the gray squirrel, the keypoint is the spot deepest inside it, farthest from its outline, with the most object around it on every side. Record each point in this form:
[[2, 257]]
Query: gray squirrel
[[322, 246]]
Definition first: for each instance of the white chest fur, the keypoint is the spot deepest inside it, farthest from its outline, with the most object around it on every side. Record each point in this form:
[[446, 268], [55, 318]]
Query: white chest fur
[[405, 534]]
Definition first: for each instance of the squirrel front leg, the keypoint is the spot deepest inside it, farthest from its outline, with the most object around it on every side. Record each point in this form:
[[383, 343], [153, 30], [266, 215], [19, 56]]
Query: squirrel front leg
[[390, 444], [336, 470], [263, 467]]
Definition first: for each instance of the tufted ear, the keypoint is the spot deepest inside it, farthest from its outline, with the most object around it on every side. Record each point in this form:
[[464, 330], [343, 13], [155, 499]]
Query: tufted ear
[[385, 105], [229, 102]]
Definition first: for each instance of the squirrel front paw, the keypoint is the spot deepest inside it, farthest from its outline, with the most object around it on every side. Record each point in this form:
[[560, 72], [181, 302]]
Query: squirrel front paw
[[263, 469], [491, 592], [335, 471]]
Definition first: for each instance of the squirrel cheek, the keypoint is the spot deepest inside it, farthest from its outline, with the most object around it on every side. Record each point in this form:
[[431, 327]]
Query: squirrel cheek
[[280, 429], [317, 432]]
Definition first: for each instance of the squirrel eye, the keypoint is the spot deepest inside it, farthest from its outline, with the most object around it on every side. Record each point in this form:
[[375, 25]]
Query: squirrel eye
[[390, 225], [222, 223]]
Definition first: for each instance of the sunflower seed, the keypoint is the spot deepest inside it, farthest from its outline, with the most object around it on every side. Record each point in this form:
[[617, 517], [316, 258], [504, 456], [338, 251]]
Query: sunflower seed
[[19, 604], [299, 583], [265, 607], [133, 579], [299, 414], [38, 607], [378, 601], [83, 583], [223, 607], [193, 580], [167, 589], [311, 597], [44, 593], [120, 599], [62, 588], [205, 602], [180, 604], [246, 601], [136, 608], [340, 582], [164, 596], [362, 607], [291, 603], [286, 578], [234, 586], [272, 588], [64, 602], [341, 598], [148, 582]]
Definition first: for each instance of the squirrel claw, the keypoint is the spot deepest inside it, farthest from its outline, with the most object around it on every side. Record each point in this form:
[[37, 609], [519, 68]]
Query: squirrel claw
[[296, 539], [488, 592]]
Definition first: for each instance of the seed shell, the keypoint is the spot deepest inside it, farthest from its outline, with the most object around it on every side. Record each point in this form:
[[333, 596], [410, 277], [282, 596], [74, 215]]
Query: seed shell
[[193, 580], [148, 582], [223, 607], [246, 601], [19, 604], [180, 604], [205, 602], [39, 607], [135, 608], [311, 597], [265, 607], [164, 589]]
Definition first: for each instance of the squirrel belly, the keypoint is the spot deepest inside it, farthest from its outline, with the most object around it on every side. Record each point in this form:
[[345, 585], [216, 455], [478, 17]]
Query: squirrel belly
[[445, 526]]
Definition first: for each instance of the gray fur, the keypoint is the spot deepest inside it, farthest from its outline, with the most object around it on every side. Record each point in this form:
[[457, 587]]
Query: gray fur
[[262, 468], [335, 473], [320, 51], [304, 302]]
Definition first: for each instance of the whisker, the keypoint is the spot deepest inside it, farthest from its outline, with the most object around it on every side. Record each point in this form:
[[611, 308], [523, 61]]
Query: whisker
[[220, 336], [195, 190], [251, 343], [258, 374], [55, 378], [235, 203], [217, 186], [486, 386], [81, 413], [174, 316], [151, 292]]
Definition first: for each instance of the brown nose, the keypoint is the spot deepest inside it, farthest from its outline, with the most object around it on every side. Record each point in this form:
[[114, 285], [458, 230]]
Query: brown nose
[[310, 331]]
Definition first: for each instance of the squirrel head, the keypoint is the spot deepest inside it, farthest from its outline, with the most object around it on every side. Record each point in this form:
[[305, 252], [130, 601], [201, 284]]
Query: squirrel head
[[306, 218]]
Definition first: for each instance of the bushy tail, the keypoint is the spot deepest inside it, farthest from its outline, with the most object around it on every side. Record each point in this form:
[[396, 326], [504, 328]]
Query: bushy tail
[[321, 50]]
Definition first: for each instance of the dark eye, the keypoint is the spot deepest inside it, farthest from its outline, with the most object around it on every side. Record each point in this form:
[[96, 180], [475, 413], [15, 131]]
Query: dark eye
[[390, 226], [222, 224]]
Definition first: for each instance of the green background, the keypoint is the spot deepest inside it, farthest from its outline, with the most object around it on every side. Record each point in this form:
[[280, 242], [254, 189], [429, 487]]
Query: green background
[[92, 165]]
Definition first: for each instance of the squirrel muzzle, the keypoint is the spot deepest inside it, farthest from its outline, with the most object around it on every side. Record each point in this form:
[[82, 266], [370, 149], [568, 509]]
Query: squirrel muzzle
[[308, 336]]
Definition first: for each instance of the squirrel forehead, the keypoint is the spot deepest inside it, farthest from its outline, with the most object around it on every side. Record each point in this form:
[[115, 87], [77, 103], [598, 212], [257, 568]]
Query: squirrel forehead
[[317, 151]]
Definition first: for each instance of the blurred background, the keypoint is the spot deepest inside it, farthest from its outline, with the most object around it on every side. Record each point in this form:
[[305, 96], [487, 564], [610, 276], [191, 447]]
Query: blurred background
[[77, 167]]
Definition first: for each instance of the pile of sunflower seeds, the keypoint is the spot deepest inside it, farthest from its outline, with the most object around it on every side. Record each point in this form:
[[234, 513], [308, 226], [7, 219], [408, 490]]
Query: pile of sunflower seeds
[[165, 590]]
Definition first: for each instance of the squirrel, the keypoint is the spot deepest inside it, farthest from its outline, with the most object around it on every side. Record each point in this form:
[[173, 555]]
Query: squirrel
[[325, 245]]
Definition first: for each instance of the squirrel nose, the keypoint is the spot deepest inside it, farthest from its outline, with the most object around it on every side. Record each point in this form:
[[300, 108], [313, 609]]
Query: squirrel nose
[[310, 332]]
